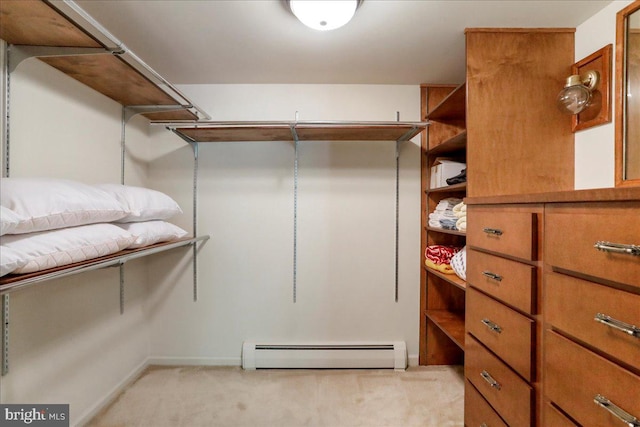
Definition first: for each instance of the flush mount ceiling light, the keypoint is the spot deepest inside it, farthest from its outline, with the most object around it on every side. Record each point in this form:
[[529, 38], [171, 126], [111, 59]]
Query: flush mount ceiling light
[[576, 95], [324, 15]]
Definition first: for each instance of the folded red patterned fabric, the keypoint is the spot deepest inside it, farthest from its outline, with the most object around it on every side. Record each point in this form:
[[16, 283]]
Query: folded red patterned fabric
[[440, 254]]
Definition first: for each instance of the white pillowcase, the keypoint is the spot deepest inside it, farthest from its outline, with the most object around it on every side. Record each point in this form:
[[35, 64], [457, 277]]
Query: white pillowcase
[[10, 260], [9, 220], [151, 232], [142, 204], [49, 249], [48, 204]]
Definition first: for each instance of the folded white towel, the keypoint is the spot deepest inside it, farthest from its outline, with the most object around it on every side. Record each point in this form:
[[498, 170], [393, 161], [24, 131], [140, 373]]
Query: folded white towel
[[461, 224]]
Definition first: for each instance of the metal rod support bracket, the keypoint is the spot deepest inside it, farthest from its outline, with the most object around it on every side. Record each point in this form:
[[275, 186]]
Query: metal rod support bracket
[[133, 110], [19, 53]]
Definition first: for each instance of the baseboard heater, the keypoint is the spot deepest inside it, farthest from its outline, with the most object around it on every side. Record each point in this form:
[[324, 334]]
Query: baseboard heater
[[324, 355]]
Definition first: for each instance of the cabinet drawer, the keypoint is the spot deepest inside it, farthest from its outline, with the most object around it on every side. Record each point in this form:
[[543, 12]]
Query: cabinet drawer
[[477, 412], [574, 376], [553, 418], [572, 305], [585, 225], [504, 331], [510, 396], [509, 281], [512, 233]]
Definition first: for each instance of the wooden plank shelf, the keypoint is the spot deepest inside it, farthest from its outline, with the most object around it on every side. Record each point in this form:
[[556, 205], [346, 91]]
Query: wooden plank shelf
[[444, 231], [204, 131], [452, 279], [65, 37], [449, 322], [457, 143], [449, 188], [452, 108], [13, 282]]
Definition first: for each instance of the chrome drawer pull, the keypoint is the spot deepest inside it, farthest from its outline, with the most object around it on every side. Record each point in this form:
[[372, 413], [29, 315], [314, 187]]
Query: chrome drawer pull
[[620, 413], [493, 276], [493, 231], [618, 248], [492, 326], [488, 378], [627, 328], [484, 425]]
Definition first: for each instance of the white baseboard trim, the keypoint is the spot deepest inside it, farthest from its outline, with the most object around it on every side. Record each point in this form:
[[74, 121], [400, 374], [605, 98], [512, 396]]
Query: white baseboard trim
[[111, 395], [194, 361], [413, 360]]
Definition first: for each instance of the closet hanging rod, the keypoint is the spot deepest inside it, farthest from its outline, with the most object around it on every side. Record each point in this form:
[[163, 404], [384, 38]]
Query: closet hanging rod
[[93, 28]]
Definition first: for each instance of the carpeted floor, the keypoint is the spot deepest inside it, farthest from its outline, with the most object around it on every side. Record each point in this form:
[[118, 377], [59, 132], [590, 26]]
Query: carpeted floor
[[230, 396]]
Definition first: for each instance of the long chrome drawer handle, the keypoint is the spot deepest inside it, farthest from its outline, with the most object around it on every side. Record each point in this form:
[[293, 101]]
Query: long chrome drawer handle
[[627, 328], [618, 248], [492, 326], [493, 276], [493, 231], [623, 415], [488, 378]]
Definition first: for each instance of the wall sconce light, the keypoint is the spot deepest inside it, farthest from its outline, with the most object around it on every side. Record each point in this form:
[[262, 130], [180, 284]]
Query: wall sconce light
[[587, 94], [577, 92], [324, 15]]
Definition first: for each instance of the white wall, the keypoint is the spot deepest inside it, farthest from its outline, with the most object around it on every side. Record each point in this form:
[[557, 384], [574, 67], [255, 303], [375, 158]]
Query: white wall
[[346, 210], [595, 147], [68, 341]]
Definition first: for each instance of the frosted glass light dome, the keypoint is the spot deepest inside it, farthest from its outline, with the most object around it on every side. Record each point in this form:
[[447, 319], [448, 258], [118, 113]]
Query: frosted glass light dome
[[324, 15]]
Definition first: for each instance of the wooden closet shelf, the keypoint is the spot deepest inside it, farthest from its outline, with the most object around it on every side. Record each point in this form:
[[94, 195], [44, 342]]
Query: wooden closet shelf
[[450, 322], [449, 278], [204, 131], [452, 108], [457, 143], [14, 282], [60, 34], [442, 230], [449, 188]]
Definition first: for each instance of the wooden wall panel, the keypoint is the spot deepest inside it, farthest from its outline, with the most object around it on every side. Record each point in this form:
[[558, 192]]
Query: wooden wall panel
[[518, 141]]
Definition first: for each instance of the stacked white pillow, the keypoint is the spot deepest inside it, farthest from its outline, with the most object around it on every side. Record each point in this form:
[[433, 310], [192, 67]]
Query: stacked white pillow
[[47, 223]]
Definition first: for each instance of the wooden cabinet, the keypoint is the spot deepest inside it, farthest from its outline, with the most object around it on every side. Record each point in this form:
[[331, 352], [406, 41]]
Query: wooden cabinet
[[592, 311], [442, 296], [502, 313], [517, 140], [573, 276]]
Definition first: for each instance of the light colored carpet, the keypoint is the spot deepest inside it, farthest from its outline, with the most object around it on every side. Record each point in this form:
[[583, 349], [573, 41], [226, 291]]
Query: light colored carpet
[[230, 396]]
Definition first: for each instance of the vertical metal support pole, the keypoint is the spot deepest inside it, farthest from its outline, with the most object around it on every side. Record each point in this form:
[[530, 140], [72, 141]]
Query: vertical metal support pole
[[121, 288], [6, 87], [194, 145], [5, 334], [123, 139], [397, 217], [295, 218]]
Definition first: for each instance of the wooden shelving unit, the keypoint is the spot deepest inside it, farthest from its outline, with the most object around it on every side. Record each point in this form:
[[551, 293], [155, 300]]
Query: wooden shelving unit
[[442, 296]]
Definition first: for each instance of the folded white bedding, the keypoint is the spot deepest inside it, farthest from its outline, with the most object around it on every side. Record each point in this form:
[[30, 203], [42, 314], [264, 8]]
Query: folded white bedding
[[55, 248], [152, 232], [48, 204]]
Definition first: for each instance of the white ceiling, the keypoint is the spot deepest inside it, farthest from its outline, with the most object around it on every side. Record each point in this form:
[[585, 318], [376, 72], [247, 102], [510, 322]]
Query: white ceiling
[[260, 41]]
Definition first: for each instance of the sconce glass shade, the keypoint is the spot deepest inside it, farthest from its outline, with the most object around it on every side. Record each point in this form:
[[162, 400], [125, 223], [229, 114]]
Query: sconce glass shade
[[576, 95], [324, 15]]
